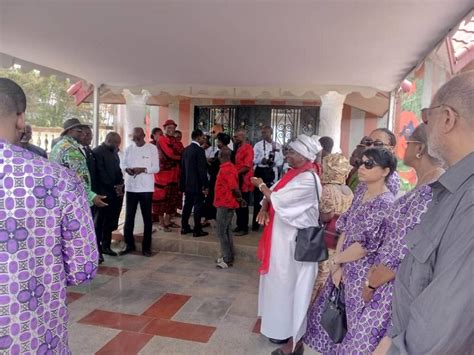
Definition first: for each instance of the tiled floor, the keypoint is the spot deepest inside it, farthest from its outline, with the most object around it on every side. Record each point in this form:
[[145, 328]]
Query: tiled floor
[[167, 304]]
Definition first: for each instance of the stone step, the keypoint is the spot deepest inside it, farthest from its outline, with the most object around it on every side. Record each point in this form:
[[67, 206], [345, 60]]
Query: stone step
[[209, 246]]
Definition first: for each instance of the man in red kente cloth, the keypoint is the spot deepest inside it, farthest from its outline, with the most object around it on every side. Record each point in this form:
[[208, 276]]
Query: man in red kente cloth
[[166, 196]]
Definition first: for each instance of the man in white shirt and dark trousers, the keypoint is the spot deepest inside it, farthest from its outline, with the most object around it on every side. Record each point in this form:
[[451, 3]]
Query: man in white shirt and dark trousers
[[141, 162], [268, 157]]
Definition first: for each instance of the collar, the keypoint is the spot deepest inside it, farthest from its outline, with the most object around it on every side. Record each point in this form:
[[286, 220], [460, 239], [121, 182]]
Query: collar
[[455, 176], [196, 143], [72, 141]]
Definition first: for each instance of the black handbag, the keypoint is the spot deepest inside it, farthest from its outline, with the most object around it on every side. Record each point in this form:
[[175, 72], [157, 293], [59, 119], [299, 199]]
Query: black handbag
[[333, 319], [310, 243]]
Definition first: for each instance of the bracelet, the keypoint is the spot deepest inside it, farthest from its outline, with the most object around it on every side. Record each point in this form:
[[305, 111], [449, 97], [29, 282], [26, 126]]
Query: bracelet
[[261, 185]]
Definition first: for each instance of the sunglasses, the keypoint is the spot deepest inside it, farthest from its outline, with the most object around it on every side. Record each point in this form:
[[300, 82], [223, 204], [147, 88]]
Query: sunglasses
[[371, 142], [368, 164]]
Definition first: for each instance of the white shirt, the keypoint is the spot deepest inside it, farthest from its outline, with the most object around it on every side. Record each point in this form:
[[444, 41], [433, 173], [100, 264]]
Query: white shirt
[[262, 150], [146, 157], [211, 151]]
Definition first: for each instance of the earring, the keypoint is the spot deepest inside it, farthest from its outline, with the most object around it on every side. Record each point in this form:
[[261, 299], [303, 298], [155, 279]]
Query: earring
[[418, 155]]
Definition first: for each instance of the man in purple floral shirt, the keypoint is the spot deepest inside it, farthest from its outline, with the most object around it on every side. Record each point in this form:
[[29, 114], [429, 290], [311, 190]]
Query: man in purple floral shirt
[[47, 239]]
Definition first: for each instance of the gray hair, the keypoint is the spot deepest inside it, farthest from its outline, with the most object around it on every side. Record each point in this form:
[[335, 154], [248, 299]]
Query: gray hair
[[458, 93]]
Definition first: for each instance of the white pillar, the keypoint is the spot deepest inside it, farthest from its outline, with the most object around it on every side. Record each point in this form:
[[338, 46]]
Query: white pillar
[[96, 119], [330, 116], [135, 117]]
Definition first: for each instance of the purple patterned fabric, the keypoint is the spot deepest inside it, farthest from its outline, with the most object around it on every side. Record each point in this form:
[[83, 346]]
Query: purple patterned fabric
[[366, 224], [376, 316], [47, 242]]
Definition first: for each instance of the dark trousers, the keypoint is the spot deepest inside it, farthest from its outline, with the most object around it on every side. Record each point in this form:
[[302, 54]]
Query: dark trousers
[[243, 214], [106, 221], [133, 199], [224, 220], [267, 176], [191, 200]]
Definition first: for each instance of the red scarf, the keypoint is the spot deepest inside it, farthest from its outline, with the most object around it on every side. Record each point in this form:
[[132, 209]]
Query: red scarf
[[265, 243]]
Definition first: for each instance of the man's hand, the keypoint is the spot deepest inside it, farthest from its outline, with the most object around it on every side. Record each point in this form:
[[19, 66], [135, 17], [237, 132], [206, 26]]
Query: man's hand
[[263, 218], [367, 294], [97, 201], [129, 171], [139, 171], [383, 346], [119, 190]]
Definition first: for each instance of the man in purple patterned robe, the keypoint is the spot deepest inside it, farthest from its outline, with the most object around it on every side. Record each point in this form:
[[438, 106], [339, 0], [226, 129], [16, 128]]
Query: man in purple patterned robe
[[47, 239]]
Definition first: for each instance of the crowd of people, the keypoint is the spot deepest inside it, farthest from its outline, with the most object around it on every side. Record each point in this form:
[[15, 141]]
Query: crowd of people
[[403, 262]]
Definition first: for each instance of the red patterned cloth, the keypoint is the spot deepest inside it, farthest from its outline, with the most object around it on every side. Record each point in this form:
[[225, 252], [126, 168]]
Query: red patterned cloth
[[166, 195], [244, 158], [227, 180]]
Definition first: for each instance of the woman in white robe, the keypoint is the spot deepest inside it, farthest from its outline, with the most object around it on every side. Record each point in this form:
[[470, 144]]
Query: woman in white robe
[[286, 285]]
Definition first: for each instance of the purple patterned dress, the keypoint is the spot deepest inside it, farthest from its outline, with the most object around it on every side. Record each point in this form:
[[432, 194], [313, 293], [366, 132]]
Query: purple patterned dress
[[376, 316], [366, 224], [47, 241]]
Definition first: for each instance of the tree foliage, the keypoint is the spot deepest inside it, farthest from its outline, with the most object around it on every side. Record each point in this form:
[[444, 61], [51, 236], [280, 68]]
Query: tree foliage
[[48, 103]]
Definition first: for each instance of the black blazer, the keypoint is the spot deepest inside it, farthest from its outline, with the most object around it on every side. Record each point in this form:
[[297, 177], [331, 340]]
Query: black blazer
[[193, 170], [108, 172]]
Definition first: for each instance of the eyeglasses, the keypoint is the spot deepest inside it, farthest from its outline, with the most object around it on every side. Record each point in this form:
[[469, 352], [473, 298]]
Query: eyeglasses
[[425, 112], [368, 164], [370, 142], [408, 142]]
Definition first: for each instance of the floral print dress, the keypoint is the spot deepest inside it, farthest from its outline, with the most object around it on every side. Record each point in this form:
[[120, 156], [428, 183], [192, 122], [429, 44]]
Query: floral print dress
[[365, 223], [376, 316]]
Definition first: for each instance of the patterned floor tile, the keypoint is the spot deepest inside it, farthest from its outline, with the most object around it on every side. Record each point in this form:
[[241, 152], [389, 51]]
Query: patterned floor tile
[[179, 330], [116, 320], [167, 306], [125, 343]]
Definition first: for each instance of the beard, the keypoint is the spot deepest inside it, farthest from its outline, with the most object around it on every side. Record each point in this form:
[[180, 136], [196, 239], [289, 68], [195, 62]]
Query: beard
[[435, 148]]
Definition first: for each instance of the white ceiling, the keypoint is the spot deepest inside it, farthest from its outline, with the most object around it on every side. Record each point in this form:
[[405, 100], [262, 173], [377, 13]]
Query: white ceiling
[[234, 43]]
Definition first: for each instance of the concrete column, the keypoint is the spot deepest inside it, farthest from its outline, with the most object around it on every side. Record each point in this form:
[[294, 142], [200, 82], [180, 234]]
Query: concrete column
[[135, 111], [330, 117]]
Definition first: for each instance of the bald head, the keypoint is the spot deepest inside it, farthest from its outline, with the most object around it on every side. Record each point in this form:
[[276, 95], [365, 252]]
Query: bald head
[[224, 154], [458, 93]]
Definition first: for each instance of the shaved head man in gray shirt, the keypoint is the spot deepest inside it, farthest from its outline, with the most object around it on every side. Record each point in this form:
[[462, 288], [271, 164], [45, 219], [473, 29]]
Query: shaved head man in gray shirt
[[434, 288]]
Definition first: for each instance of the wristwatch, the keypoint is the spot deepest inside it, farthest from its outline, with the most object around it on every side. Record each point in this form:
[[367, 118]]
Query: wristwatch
[[261, 185], [368, 285]]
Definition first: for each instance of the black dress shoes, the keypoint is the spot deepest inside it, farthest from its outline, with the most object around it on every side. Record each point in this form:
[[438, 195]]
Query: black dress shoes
[[200, 234], [127, 251], [101, 259], [279, 341], [146, 253], [108, 251], [185, 231]]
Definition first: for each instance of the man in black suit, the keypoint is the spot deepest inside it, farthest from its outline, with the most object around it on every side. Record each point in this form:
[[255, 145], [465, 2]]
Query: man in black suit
[[110, 184], [194, 183]]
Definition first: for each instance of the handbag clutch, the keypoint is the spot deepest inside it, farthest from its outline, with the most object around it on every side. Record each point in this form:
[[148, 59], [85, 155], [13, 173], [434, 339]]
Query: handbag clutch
[[333, 319], [310, 243]]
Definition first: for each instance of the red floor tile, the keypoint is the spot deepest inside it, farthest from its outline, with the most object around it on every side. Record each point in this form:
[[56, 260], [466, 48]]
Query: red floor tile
[[73, 296], [179, 330], [167, 306], [116, 320], [111, 271], [125, 343], [256, 328]]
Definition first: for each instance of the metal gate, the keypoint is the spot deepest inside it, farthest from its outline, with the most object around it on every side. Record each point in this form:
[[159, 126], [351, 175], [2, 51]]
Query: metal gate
[[287, 122]]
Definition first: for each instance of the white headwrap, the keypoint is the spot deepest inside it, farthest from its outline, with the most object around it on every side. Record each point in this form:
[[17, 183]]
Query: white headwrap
[[306, 146]]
